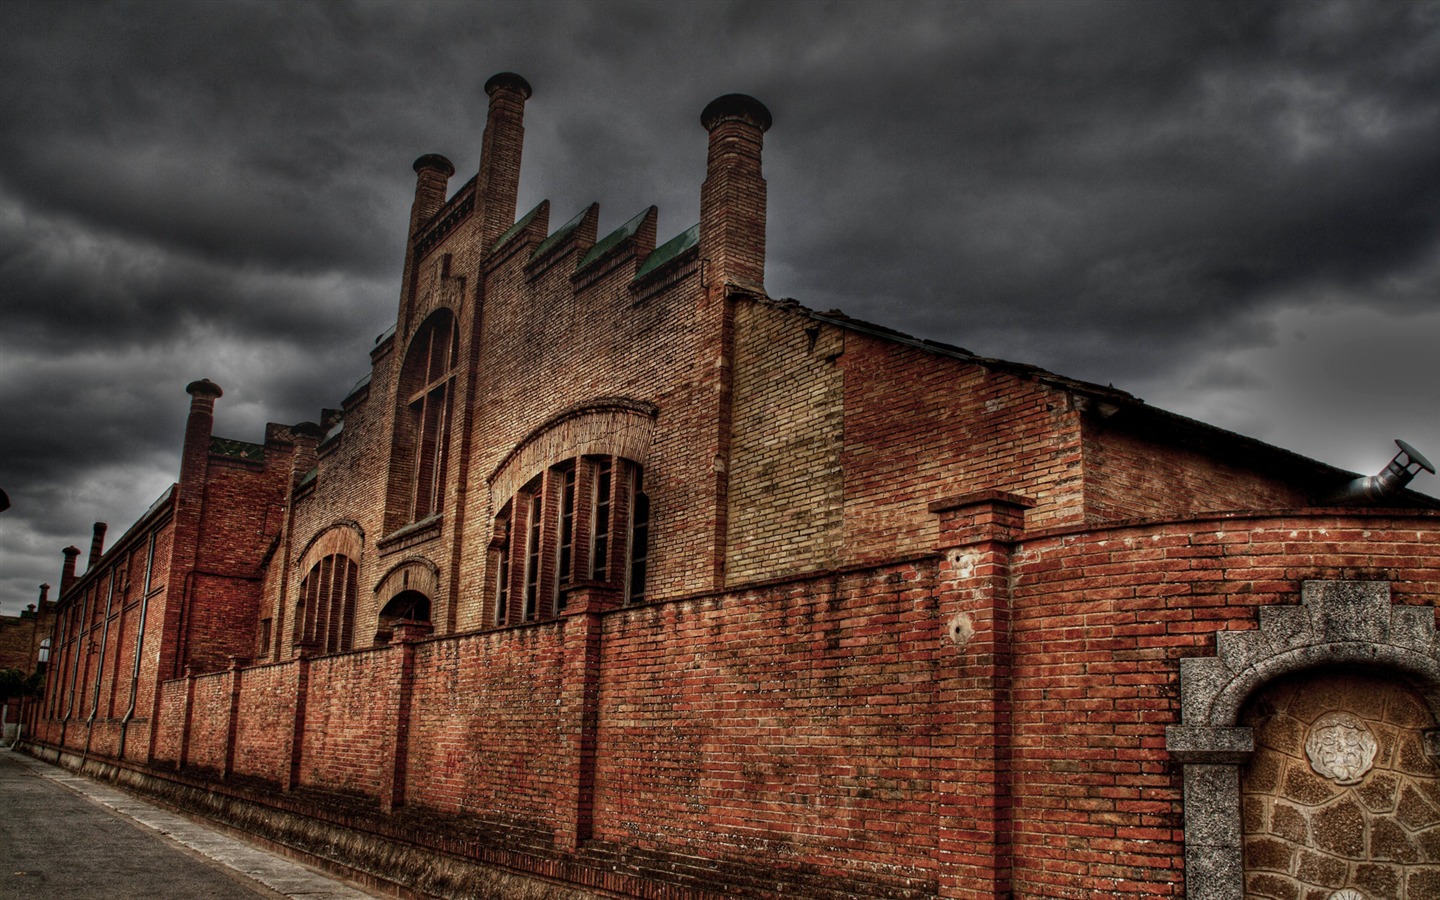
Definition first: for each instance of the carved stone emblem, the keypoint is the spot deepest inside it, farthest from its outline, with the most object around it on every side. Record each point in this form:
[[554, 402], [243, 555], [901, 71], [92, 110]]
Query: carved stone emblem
[[1346, 894], [1342, 749]]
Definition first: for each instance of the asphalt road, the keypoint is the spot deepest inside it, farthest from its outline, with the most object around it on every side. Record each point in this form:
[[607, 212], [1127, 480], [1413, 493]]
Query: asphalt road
[[63, 837]]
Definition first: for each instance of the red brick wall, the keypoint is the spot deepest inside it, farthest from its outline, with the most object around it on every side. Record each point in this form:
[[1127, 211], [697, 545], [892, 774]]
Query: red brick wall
[[350, 715], [266, 721], [920, 428], [1130, 477], [1101, 619], [169, 724], [463, 758], [788, 730], [827, 731], [209, 722]]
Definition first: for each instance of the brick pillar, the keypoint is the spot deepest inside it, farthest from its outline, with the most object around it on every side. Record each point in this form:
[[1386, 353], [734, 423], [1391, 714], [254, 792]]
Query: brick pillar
[[183, 757], [732, 199], [432, 182], [232, 727], [497, 186], [185, 540], [67, 571], [974, 815], [97, 545], [392, 791], [575, 804], [297, 734]]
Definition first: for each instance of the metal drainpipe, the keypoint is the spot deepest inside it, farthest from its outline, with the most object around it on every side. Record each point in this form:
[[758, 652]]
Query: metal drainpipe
[[75, 662], [99, 668], [139, 647]]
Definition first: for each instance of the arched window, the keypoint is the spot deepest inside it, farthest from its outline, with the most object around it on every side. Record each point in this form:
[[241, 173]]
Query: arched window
[[581, 522], [422, 432], [406, 606], [325, 610]]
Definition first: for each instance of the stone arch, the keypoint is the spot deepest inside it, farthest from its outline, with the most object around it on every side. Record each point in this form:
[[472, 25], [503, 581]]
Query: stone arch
[[1337, 623], [413, 574], [323, 590], [343, 537], [612, 426]]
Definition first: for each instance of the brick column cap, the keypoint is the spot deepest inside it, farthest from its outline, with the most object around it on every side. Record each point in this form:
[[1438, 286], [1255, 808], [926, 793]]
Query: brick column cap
[[508, 81], [204, 388], [434, 161], [978, 497], [736, 106]]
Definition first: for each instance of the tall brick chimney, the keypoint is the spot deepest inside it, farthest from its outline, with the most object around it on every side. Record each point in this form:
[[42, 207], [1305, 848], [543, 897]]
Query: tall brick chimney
[[732, 199], [97, 545], [432, 183], [497, 187], [67, 571], [195, 456]]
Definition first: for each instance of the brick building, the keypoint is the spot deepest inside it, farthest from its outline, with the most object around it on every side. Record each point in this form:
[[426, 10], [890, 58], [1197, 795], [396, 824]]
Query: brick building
[[24, 648], [619, 577]]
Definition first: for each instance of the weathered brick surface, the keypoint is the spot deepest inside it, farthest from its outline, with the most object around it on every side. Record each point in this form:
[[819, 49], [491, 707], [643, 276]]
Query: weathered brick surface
[[1129, 477], [266, 721], [349, 709], [465, 759], [209, 719], [1101, 620]]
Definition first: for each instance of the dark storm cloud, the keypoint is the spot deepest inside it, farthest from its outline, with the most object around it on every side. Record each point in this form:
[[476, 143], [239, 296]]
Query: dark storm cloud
[[1199, 202]]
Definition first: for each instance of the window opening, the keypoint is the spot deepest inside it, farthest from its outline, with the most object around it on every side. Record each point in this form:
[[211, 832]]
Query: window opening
[[502, 577], [325, 612], [532, 557], [567, 532], [600, 533], [639, 538]]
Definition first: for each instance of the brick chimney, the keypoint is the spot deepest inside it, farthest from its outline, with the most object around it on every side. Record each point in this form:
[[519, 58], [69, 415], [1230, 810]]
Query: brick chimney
[[432, 183], [67, 572], [97, 545], [497, 187], [195, 456], [732, 199]]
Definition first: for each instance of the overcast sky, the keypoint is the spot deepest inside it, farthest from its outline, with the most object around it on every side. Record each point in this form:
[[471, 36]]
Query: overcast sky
[[1230, 210]]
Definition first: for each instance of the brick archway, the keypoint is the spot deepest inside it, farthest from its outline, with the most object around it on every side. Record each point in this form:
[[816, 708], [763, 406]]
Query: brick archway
[[1336, 623]]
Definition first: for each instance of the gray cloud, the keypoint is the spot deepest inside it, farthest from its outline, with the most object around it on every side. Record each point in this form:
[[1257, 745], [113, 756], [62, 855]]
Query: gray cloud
[[1154, 195]]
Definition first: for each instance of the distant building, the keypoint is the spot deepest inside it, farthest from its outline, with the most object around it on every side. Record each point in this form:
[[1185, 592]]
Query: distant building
[[24, 648], [620, 574]]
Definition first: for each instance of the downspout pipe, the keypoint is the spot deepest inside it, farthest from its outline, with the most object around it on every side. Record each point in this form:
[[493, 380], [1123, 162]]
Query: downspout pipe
[[99, 668], [139, 648], [1371, 490]]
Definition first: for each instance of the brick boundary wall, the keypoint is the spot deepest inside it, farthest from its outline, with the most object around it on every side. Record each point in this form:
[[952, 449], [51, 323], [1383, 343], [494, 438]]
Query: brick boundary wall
[[985, 720]]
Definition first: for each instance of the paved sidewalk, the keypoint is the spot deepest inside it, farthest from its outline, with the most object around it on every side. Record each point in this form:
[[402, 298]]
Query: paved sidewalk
[[64, 836]]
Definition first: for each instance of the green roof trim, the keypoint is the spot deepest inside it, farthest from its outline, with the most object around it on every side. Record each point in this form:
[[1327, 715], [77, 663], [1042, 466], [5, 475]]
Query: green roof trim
[[237, 449], [519, 226], [308, 478], [385, 335], [561, 233], [333, 433], [669, 250], [615, 238]]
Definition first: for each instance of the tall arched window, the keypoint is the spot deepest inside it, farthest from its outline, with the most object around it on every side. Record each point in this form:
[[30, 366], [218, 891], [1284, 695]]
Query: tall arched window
[[581, 522], [422, 433], [325, 610]]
